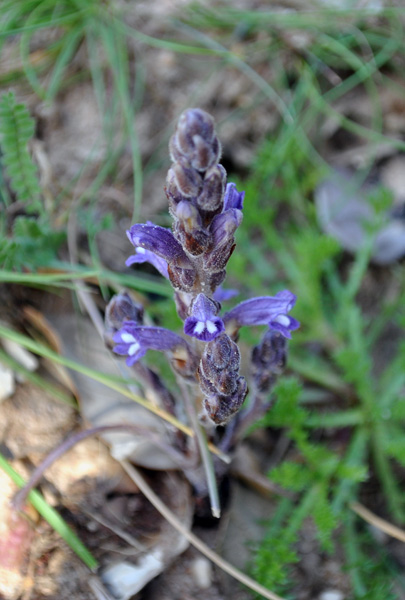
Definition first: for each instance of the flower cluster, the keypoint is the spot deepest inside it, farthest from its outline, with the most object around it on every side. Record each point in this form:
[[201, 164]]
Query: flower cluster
[[206, 212]]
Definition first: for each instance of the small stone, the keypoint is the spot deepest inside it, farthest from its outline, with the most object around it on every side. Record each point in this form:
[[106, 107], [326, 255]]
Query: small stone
[[202, 572], [332, 595], [7, 385]]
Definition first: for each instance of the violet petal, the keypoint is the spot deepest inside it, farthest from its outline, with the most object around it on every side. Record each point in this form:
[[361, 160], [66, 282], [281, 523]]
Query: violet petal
[[233, 198]]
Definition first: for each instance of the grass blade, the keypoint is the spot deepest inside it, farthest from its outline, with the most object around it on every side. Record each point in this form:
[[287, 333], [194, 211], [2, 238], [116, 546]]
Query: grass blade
[[52, 517]]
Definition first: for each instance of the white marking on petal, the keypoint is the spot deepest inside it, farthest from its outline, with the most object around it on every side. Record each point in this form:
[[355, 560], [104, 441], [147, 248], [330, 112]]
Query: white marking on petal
[[212, 328], [199, 328], [140, 250], [283, 320], [128, 338], [133, 348]]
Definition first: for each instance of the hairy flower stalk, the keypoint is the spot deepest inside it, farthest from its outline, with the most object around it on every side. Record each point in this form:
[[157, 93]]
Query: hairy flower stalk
[[193, 255]]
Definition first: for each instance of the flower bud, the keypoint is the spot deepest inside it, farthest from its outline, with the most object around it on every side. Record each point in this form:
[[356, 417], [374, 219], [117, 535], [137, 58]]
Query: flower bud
[[182, 279], [188, 215], [192, 122], [211, 197], [221, 408], [215, 278], [268, 360], [187, 180], [219, 379], [172, 191], [119, 310], [195, 139], [215, 260]]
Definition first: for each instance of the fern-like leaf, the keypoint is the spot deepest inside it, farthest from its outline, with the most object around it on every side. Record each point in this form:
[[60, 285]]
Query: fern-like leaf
[[16, 130], [33, 244], [325, 519]]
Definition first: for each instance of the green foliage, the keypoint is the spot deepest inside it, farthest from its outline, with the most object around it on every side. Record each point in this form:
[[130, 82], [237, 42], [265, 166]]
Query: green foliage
[[291, 476], [368, 409], [327, 307], [373, 574], [275, 555], [325, 519], [395, 447], [16, 130], [33, 244]]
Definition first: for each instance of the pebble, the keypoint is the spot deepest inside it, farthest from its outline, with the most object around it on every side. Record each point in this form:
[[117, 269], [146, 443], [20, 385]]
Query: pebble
[[331, 595], [202, 573]]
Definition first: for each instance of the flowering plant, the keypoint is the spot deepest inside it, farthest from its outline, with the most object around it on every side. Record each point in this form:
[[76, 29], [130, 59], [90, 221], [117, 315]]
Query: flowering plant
[[206, 212]]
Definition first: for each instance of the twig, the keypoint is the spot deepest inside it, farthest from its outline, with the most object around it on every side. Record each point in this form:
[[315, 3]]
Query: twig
[[129, 539], [193, 539], [378, 522]]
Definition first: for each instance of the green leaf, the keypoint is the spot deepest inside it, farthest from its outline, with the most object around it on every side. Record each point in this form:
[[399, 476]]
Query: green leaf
[[354, 473], [396, 448], [16, 130], [291, 475], [325, 519], [286, 411]]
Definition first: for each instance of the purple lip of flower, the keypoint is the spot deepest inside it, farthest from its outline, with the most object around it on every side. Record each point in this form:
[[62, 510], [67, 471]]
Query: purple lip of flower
[[266, 310], [284, 324], [159, 241], [233, 198], [141, 255], [133, 341], [203, 323]]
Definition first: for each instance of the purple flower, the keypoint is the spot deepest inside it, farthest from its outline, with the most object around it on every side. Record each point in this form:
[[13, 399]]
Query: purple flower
[[159, 241], [133, 341], [233, 198], [266, 310], [203, 323]]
